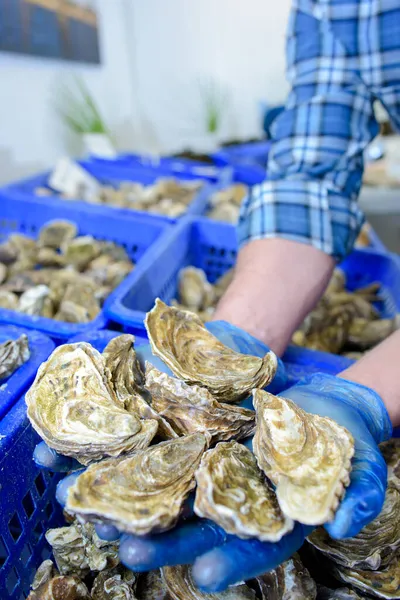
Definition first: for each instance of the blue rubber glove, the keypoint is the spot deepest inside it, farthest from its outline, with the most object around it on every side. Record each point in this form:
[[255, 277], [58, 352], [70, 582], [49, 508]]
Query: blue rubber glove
[[220, 559]]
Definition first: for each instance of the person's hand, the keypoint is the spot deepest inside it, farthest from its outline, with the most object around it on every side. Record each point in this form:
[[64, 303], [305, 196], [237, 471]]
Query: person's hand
[[231, 336]]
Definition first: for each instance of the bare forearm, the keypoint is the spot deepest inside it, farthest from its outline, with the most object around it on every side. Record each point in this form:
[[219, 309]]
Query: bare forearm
[[276, 284], [379, 370]]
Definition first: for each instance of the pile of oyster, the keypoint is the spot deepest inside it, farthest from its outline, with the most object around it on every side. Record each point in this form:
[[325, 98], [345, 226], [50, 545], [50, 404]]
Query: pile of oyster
[[151, 439], [344, 322], [168, 197], [225, 204], [13, 354], [60, 275]]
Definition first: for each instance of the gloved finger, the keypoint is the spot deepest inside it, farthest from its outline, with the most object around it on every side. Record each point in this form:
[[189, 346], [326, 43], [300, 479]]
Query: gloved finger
[[238, 560], [181, 545], [64, 485], [243, 342], [109, 533], [365, 495], [47, 458]]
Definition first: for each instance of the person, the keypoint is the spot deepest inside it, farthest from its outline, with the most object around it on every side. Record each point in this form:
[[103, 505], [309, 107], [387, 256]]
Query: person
[[342, 56]]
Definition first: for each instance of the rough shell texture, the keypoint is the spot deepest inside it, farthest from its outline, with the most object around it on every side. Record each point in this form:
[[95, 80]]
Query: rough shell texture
[[73, 407], [381, 584], [143, 492], [306, 456], [128, 381], [234, 493], [374, 546], [8, 300], [49, 585], [114, 584], [56, 233], [81, 251], [33, 301], [181, 586], [340, 594], [290, 581], [77, 549], [193, 354], [192, 408], [13, 354], [151, 586], [391, 453], [195, 292]]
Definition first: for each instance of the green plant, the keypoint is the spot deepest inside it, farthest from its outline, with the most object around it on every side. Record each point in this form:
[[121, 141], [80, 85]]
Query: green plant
[[214, 99], [78, 110]]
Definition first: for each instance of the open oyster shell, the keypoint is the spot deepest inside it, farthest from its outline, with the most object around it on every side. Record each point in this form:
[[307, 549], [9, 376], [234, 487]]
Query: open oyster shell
[[233, 492], [306, 456], [49, 585], [56, 233], [193, 354], [128, 381], [13, 354], [143, 492], [181, 586], [77, 549], [114, 584], [290, 581], [72, 405], [374, 546], [192, 408], [383, 583]]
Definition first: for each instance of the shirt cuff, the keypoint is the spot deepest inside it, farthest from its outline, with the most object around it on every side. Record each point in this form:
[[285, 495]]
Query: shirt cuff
[[301, 211]]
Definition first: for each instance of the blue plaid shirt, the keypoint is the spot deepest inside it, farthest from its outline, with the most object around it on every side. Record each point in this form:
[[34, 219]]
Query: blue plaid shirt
[[342, 55]]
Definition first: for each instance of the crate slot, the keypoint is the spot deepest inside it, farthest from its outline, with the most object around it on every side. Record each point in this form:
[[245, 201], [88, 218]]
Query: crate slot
[[15, 527], [40, 484], [28, 505]]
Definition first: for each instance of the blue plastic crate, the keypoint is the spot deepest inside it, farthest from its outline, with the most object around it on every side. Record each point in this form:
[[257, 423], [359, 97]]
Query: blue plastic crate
[[113, 175], [100, 339], [40, 347], [250, 153], [133, 231], [212, 247]]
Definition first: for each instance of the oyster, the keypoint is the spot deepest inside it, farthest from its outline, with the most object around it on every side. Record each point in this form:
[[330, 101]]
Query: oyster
[[8, 300], [381, 584], [290, 581], [3, 272], [13, 354], [391, 454], [192, 408], [55, 234], [24, 245], [143, 492], [114, 251], [365, 334], [128, 381], [192, 353], [77, 549], [36, 301], [83, 296], [65, 277], [48, 257], [340, 594], [49, 585], [151, 586], [195, 292], [80, 251], [73, 406], [306, 456], [114, 584], [8, 253], [180, 585], [233, 492], [70, 312], [222, 284], [227, 213], [374, 546]]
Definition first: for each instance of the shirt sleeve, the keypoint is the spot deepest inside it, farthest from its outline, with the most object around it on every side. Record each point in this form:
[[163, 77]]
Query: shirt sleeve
[[316, 161]]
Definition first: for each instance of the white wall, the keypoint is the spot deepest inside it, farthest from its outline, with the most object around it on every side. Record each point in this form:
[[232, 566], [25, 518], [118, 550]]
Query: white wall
[[177, 42], [31, 136]]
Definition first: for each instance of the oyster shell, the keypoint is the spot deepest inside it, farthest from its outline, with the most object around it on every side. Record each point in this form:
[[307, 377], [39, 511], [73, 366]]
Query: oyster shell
[[72, 405], [80, 294], [381, 584], [36, 301], [180, 585], [77, 549], [391, 454], [340, 594], [80, 251], [193, 354], [306, 456], [128, 381], [8, 253], [3, 272], [222, 284], [290, 581], [8, 300], [365, 334], [143, 492], [24, 245], [114, 251], [13, 354], [192, 408], [151, 586], [55, 234], [233, 492], [227, 213], [374, 546], [195, 292], [114, 584], [49, 585], [47, 257], [70, 312]]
